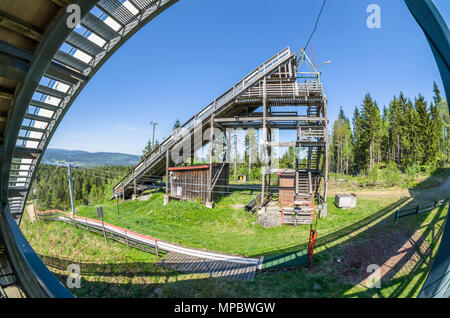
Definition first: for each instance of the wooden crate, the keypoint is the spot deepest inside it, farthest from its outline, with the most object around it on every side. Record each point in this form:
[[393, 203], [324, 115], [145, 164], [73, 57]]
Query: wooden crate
[[287, 187], [286, 195]]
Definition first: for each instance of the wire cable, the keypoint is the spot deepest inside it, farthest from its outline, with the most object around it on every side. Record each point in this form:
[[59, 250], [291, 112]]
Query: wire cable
[[317, 22]]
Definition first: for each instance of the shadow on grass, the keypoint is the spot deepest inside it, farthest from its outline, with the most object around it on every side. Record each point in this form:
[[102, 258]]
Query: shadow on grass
[[341, 233], [404, 254], [140, 279], [394, 251], [391, 245]]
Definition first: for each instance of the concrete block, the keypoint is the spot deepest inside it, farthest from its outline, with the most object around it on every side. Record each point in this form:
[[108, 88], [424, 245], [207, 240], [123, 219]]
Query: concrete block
[[269, 218], [345, 201]]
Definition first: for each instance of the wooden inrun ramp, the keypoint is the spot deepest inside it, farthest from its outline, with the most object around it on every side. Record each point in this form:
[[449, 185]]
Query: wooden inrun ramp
[[214, 268], [178, 258]]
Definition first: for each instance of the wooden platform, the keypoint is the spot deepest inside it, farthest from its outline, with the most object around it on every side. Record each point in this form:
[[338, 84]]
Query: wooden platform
[[194, 265]]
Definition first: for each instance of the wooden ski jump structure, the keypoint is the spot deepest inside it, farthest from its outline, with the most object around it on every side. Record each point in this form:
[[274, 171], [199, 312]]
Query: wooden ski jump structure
[[278, 83]]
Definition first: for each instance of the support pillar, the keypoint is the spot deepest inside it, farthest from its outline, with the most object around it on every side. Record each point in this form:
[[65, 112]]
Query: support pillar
[[134, 184], [71, 190], [210, 176], [325, 160], [265, 146], [166, 196]]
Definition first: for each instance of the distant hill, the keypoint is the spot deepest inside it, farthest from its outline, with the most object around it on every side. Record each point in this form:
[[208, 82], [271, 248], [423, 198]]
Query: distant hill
[[89, 159]]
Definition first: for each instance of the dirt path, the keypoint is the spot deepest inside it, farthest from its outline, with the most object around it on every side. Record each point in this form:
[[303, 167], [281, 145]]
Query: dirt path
[[445, 187], [440, 192]]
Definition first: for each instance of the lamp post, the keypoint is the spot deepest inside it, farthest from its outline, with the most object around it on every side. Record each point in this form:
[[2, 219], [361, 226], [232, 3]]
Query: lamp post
[[153, 134], [327, 62]]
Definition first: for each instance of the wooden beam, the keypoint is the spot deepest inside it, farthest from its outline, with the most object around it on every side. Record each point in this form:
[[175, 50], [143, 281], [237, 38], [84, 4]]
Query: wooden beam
[[211, 144], [265, 153], [167, 171], [12, 23], [271, 118]]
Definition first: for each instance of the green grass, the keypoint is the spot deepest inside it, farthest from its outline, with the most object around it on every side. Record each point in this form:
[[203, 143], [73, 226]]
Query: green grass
[[228, 228], [390, 177], [111, 270]]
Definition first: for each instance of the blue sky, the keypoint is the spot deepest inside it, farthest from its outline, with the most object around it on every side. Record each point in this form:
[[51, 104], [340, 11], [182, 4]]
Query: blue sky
[[191, 53]]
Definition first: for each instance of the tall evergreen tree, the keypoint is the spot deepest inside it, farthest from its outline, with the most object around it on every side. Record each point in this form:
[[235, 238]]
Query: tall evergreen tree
[[370, 124], [176, 125], [341, 146], [424, 134], [395, 121], [442, 125], [357, 141]]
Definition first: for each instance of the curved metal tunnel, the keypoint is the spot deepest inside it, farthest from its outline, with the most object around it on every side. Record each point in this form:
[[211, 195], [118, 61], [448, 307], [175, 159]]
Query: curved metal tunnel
[[44, 65]]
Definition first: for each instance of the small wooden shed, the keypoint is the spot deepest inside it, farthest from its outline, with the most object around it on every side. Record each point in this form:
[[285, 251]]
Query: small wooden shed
[[191, 182]]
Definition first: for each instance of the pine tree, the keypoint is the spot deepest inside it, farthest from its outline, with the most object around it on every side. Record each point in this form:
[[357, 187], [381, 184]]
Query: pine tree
[[341, 146], [357, 141], [395, 121], [385, 138], [409, 135], [442, 125], [370, 124], [424, 132], [176, 125]]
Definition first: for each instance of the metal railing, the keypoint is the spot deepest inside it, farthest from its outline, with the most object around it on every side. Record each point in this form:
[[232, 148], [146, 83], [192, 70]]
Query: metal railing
[[137, 240], [32, 274], [401, 213]]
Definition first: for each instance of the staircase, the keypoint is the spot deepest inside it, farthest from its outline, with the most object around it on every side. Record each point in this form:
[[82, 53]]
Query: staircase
[[303, 210], [307, 173]]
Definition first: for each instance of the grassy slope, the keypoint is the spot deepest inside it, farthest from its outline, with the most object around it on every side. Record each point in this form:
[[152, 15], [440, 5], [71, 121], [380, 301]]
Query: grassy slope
[[227, 228], [111, 270]]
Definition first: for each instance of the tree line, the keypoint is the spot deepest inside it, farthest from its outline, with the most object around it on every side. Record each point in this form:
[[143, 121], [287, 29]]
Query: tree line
[[90, 185], [407, 133]]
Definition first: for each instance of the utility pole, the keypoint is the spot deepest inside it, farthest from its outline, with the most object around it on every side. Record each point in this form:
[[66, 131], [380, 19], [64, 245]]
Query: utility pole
[[235, 155], [153, 135], [70, 188]]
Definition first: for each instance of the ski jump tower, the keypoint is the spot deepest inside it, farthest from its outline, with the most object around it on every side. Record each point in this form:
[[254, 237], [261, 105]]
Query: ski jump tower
[[285, 92]]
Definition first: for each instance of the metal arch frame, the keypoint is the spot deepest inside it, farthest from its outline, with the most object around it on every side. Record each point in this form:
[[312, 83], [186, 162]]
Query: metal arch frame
[[36, 279], [437, 33], [24, 96], [41, 59], [32, 274]]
